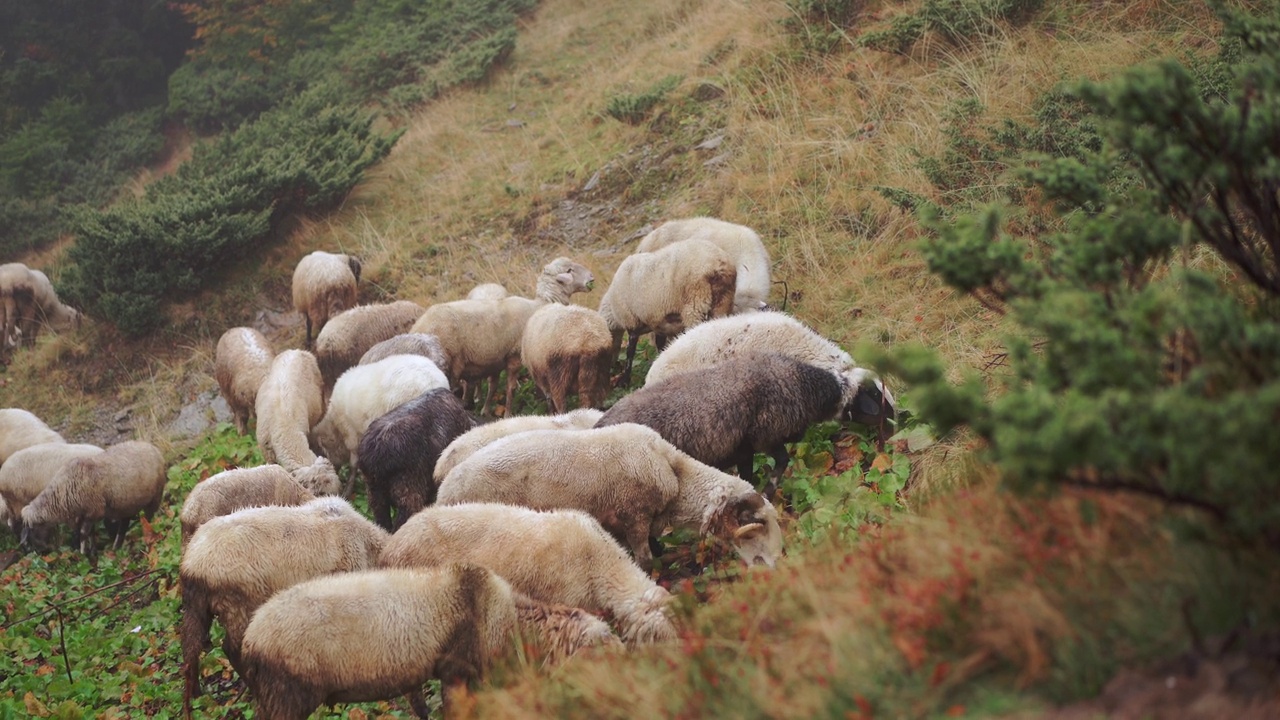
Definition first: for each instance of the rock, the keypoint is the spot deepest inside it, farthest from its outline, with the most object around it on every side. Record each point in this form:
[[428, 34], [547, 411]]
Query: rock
[[710, 143], [707, 91]]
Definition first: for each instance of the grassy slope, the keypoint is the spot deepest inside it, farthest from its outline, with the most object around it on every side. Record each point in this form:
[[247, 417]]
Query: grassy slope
[[904, 620]]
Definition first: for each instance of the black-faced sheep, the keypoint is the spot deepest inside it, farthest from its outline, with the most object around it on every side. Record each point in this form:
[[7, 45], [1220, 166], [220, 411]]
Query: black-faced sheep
[[627, 477], [563, 556], [667, 291], [741, 243], [235, 562], [21, 429], [28, 471], [112, 486], [724, 414], [568, 348], [240, 364], [236, 489], [351, 334], [375, 635], [324, 284], [428, 346], [482, 337], [399, 450], [288, 406], [469, 442]]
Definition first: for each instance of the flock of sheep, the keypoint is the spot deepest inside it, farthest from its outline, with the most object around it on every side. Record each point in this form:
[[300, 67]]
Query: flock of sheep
[[533, 527]]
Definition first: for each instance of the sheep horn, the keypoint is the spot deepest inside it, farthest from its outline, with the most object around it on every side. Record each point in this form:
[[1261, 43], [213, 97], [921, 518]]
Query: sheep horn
[[746, 530]]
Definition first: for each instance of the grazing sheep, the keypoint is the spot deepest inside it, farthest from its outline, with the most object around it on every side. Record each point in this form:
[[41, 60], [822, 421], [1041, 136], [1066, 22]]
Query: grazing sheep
[[324, 284], [376, 635], [288, 405], [365, 393], [563, 556], [482, 337], [568, 348], [240, 364], [352, 333], [724, 414], [236, 489], [28, 471], [665, 292], [398, 453], [556, 632], [233, 563], [112, 486], [627, 477], [741, 243], [469, 442], [27, 303], [21, 429], [866, 398], [428, 346], [487, 291]]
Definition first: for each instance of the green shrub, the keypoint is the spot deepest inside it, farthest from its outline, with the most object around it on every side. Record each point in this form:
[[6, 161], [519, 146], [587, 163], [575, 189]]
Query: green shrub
[[633, 109], [821, 24], [958, 21]]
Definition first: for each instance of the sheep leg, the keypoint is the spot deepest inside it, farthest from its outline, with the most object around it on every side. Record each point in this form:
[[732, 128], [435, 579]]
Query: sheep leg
[[660, 341], [122, 528], [307, 318], [380, 505], [86, 539], [638, 539], [513, 377], [632, 339], [744, 458], [781, 458], [418, 702]]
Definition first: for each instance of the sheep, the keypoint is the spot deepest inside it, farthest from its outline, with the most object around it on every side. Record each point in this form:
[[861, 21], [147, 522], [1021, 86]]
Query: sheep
[[376, 635], [288, 405], [28, 471], [365, 393], [561, 556], [428, 346], [568, 348], [27, 303], [724, 414], [665, 292], [398, 453], [743, 245], [482, 337], [324, 284], [555, 632], [866, 399], [231, 490], [466, 444], [233, 563], [240, 364], [21, 429], [112, 486], [627, 477], [351, 334], [487, 291]]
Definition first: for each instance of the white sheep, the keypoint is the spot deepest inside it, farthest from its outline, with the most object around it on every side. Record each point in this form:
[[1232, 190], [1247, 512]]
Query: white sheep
[[236, 489], [627, 477], [568, 349], [376, 635], [667, 291], [365, 393], [487, 291], [714, 342], [112, 486], [352, 333], [482, 337], [26, 473], [324, 284], [234, 562], [28, 302], [288, 406], [21, 429], [741, 243], [561, 556], [466, 444], [240, 364], [428, 346]]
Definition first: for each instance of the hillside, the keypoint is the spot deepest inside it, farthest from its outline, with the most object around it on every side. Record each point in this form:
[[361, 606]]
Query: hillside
[[927, 591]]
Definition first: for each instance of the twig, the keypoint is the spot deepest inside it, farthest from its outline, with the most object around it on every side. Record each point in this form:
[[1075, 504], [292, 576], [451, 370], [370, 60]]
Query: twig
[[62, 640], [57, 605]]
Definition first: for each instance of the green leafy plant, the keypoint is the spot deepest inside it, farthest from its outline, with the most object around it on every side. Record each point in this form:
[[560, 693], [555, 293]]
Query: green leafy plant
[[633, 109]]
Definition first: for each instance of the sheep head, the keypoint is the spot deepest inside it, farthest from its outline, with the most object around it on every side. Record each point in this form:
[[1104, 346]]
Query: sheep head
[[749, 522], [563, 277], [866, 399]]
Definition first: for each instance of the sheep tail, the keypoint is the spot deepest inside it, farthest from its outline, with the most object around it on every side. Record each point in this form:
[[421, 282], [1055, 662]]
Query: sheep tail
[[196, 620]]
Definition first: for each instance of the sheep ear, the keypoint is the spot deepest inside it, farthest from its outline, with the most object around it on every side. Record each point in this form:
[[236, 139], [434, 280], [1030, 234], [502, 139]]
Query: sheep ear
[[747, 508], [565, 278], [353, 262], [748, 531]]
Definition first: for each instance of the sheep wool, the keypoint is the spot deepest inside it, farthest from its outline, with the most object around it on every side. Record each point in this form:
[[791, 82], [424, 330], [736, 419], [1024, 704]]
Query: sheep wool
[[288, 406], [324, 284], [556, 632], [466, 444], [568, 349], [234, 562], [27, 304], [627, 477], [350, 335], [591, 570], [428, 346], [240, 364], [487, 291], [375, 635], [113, 486], [236, 489], [741, 243], [27, 472], [21, 429]]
